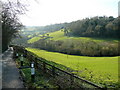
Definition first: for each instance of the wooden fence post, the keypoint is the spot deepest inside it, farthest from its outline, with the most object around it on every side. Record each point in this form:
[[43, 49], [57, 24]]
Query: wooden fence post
[[21, 60], [44, 67], [71, 80], [53, 71], [36, 63], [31, 58], [25, 53], [14, 52]]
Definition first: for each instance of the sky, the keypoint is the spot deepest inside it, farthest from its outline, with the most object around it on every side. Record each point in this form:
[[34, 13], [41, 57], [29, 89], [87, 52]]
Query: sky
[[47, 12]]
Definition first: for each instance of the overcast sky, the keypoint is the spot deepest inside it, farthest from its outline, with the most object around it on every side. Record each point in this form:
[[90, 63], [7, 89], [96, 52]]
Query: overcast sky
[[46, 12]]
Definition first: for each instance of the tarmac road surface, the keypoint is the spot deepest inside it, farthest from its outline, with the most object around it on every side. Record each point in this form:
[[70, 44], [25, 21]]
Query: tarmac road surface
[[10, 74]]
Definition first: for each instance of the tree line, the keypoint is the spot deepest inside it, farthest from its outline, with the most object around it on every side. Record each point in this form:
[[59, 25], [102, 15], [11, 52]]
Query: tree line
[[75, 47], [98, 26], [107, 27], [95, 27]]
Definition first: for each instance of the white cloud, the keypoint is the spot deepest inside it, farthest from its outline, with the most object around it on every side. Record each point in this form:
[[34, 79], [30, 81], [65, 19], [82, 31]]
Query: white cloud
[[59, 11]]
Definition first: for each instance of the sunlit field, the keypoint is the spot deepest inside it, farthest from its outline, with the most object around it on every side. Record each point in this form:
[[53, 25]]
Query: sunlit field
[[96, 69], [59, 35], [34, 39]]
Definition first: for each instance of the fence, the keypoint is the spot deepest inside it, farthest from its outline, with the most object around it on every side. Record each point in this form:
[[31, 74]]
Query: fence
[[62, 78]]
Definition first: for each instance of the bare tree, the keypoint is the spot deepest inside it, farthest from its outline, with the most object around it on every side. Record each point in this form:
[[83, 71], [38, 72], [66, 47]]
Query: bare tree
[[0, 27], [10, 20]]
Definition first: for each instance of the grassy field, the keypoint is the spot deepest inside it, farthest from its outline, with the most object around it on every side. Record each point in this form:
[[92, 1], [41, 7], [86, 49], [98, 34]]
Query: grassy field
[[97, 69], [41, 80], [102, 69], [59, 35], [34, 39]]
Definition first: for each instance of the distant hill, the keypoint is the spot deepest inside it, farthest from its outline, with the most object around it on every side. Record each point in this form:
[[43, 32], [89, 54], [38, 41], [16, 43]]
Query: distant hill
[[88, 46], [59, 35], [97, 36]]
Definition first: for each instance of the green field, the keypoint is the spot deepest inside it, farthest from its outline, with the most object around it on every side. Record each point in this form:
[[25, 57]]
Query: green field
[[96, 69], [34, 39], [102, 69], [59, 35]]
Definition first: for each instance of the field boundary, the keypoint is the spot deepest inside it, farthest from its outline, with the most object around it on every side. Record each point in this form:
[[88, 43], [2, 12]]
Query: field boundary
[[63, 78]]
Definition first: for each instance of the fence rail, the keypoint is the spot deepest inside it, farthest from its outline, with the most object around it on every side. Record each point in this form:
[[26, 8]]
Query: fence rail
[[62, 78]]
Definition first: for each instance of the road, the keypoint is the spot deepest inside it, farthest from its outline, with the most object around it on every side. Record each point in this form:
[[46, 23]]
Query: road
[[0, 72], [10, 74]]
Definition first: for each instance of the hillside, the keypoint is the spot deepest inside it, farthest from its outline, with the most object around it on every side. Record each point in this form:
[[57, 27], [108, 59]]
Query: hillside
[[102, 69], [90, 46], [59, 35]]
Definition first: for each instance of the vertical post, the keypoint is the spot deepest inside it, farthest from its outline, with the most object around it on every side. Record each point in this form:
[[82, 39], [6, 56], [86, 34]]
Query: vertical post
[[53, 71], [36, 63], [13, 52], [21, 60], [25, 53], [32, 72], [44, 67], [31, 58], [71, 80], [17, 55]]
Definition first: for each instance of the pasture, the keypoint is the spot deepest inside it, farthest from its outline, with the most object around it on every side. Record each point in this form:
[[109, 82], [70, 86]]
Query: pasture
[[59, 35], [101, 70]]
